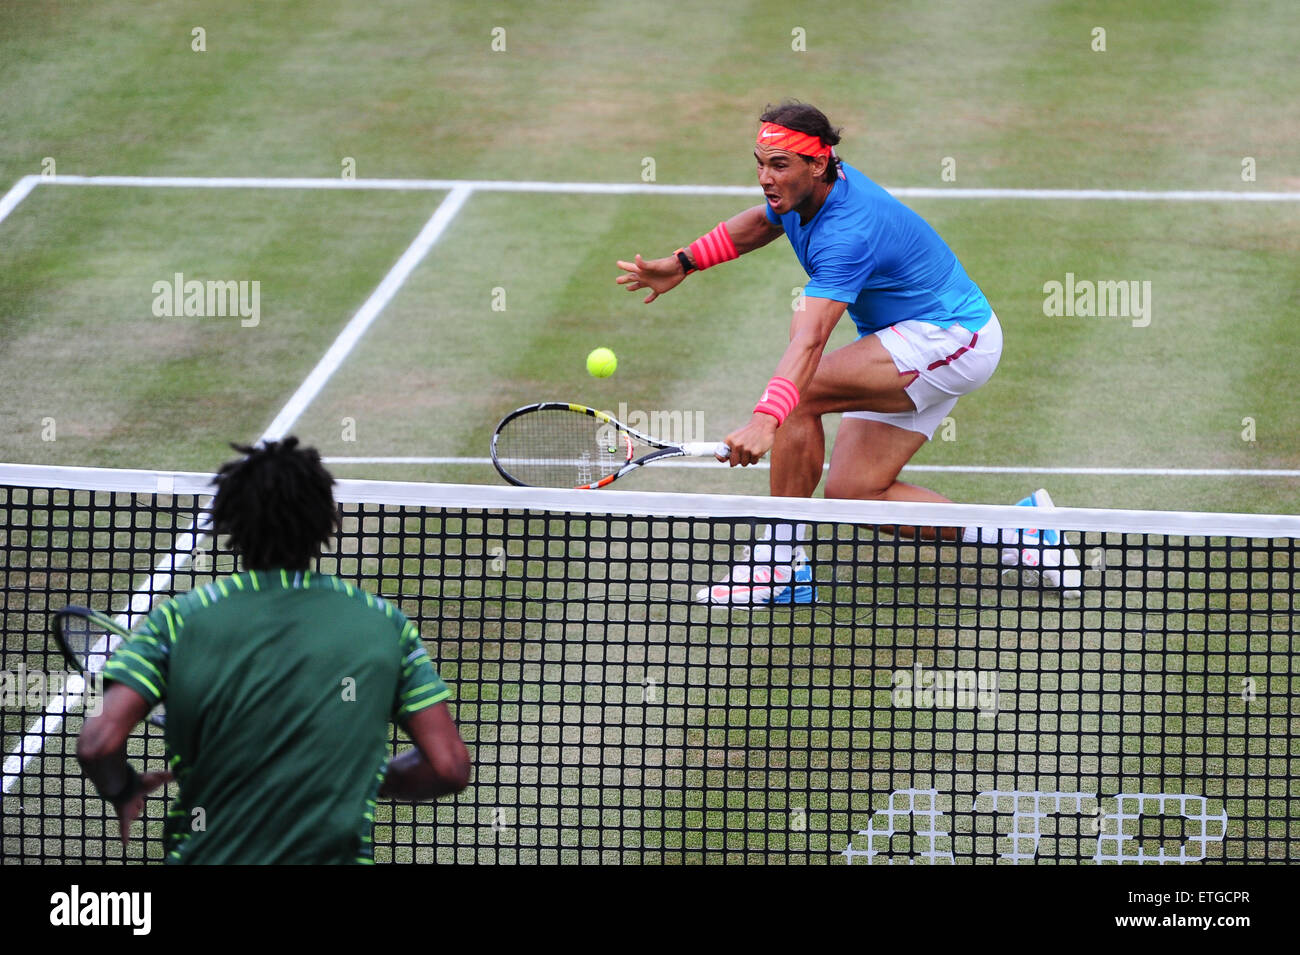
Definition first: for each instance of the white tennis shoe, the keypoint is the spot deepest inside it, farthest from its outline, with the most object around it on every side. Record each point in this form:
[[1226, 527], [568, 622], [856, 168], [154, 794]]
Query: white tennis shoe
[[756, 584], [1046, 552]]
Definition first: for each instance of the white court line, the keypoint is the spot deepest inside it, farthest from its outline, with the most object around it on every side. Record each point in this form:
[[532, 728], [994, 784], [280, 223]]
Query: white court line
[[367, 314], [938, 468], [400, 185], [33, 743], [632, 188], [17, 194]]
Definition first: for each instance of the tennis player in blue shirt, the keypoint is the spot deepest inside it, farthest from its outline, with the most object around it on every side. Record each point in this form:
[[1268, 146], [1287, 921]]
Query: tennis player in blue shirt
[[927, 336]]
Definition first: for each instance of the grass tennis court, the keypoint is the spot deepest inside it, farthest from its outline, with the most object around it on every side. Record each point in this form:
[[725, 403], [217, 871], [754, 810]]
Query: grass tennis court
[[1033, 107], [519, 286]]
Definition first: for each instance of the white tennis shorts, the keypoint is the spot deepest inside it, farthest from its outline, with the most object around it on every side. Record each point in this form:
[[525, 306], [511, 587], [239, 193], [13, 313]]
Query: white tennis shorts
[[949, 361]]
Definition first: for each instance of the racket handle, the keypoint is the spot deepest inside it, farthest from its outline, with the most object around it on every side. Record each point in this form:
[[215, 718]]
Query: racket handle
[[706, 449]]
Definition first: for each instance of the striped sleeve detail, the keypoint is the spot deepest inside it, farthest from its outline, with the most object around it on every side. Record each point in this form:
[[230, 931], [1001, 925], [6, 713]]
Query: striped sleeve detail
[[416, 692], [128, 658], [141, 661], [420, 685], [120, 672], [432, 699], [166, 612]]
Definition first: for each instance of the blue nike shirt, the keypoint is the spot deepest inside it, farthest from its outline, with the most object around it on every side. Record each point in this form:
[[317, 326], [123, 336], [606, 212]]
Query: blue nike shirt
[[867, 249]]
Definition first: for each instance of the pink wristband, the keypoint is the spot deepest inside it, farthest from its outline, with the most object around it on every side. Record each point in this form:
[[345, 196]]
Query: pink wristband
[[713, 248], [779, 399]]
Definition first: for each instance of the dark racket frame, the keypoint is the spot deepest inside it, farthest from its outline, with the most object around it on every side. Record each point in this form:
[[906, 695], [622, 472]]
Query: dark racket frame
[[78, 631], [538, 445]]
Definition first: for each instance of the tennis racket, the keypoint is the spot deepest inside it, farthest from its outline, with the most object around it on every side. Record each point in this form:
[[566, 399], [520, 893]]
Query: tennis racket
[[558, 444], [87, 638]]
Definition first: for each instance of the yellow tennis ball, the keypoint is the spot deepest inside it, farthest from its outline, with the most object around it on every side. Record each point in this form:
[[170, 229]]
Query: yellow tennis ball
[[601, 363]]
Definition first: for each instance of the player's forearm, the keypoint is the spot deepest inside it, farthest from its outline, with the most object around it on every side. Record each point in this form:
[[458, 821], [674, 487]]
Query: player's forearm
[[744, 232], [802, 355], [750, 230], [412, 778], [810, 330], [101, 744]]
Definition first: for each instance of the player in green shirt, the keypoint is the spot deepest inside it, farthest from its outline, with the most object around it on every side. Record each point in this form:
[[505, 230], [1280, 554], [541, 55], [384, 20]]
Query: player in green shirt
[[280, 685]]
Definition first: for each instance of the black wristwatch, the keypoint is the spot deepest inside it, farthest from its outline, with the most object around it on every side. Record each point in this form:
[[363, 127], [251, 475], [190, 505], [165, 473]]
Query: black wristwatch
[[685, 261]]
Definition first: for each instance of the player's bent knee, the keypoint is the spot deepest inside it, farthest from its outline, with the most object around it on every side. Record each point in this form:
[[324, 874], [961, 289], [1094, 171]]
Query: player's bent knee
[[856, 488]]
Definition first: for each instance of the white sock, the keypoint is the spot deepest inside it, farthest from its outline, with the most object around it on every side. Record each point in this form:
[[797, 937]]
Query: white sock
[[1006, 536], [779, 543]]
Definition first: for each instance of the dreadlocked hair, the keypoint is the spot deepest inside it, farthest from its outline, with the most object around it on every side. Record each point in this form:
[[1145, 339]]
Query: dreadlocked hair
[[276, 503]]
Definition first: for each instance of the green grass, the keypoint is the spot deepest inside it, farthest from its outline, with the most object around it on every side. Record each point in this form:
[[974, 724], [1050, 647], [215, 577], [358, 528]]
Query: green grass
[[281, 93], [80, 343], [777, 705]]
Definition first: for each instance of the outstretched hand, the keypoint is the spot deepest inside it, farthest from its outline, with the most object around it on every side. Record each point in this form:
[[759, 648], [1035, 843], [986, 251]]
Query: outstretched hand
[[658, 275]]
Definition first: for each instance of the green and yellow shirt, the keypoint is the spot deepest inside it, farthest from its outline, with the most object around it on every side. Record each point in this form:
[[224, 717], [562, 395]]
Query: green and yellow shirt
[[280, 686]]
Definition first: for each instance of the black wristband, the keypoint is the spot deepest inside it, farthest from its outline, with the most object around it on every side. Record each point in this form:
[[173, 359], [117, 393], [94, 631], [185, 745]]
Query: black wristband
[[685, 261], [126, 792]]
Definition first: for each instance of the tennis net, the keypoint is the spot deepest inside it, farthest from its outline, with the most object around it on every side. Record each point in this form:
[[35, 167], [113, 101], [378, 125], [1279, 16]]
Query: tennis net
[[931, 704]]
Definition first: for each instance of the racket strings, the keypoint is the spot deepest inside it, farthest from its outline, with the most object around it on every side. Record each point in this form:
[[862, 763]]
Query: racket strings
[[556, 447]]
